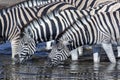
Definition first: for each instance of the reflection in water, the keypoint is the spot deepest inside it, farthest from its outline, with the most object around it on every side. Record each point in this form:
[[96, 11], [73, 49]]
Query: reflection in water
[[71, 70]]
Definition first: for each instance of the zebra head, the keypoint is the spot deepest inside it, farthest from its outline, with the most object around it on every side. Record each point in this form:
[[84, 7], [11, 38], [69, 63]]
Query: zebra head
[[25, 49], [60, 52]]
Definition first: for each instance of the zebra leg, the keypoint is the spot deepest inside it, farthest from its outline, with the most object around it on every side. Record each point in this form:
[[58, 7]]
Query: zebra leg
[[109, 51], [96, 54], [80, 50], [76, 52], [118, 48], [49, 45], [96, 57]]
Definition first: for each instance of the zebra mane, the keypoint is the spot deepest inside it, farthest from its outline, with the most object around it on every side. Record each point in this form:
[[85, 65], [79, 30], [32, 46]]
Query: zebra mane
[[55, 12]]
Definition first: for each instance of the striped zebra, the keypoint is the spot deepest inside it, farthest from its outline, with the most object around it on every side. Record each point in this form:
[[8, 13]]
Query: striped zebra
[[13, 19], [102, 28], [50, 26], [45, 8], [79, 4]]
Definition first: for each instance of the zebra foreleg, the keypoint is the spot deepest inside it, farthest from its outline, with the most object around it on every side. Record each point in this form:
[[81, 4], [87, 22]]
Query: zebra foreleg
[[49, 45], [96, 57], [80, 50], [76, 53], [109, 51], [96, 54], [118, 49]]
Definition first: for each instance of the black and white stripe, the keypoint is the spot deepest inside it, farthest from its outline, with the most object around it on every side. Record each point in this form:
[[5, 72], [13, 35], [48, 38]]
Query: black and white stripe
[[19, 16], [101, 28], [50, 26], [13, 19], [79, 4]]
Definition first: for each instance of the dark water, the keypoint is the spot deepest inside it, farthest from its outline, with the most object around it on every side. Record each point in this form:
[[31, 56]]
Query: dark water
[[83, 69], [70, 70]]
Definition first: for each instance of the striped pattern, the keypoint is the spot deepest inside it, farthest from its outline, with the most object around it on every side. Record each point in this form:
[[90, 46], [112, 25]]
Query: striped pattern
[[50, 26], [79, 4], [13, 19], [55, 22], [101, 28]]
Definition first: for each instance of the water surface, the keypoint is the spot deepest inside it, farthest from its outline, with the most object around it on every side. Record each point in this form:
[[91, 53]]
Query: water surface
[[83, 69]]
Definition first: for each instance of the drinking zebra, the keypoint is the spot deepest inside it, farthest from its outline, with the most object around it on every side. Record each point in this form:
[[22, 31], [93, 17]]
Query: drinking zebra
[[102, 28], [50, 26], [13, 19], [79, 4]]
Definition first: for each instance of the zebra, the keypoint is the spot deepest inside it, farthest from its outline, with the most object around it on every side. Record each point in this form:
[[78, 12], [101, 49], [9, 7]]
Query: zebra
[[101, 28], [50, 26], [13, 19], [79, 4], [15, 22]]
